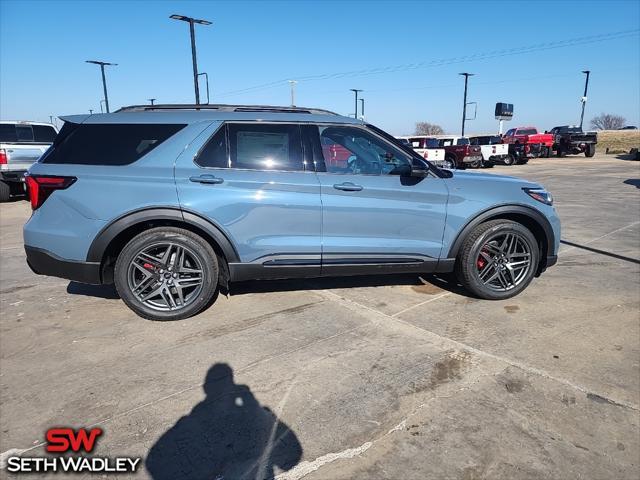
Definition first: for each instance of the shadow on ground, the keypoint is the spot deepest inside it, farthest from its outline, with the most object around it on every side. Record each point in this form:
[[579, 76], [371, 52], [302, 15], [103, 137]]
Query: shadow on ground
[[99, 291], [228, 435], [633, 181]]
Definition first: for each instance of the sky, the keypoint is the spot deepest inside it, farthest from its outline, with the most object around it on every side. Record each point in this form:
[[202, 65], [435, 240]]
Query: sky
[[405, 55]]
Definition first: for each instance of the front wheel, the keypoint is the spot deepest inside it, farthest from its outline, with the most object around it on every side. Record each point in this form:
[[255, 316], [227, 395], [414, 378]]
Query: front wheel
[[590, 151], [498, 260], [510, 160], [167, 273]]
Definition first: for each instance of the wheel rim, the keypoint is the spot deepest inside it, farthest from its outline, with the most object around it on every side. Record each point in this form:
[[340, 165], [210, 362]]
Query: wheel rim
[[165, 276], [504, 261]]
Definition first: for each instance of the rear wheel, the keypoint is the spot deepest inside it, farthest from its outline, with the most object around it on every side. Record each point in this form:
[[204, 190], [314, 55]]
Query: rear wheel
[[498, 260], [449, 162], [560, 152], [167, 273], [510, 160], [548, 152], [5, 192], [590, 151]]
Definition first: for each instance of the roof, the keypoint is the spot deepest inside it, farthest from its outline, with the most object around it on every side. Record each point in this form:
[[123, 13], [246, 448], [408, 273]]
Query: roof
[[25, 122], [187, 113]]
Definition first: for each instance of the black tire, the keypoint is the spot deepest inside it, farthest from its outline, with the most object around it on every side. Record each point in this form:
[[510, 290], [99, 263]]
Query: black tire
[[468, 269], [199, 256], [560, 152], [510, 160], [590, 151], [477, 164], [548, 152], [5, 191], [451, 161]]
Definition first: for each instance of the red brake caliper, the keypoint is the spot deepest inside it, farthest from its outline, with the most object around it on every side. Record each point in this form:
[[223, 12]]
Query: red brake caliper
[[481, 262]]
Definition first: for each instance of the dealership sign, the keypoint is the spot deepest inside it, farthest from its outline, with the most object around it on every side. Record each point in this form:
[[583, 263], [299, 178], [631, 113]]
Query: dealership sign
[[67, 440]]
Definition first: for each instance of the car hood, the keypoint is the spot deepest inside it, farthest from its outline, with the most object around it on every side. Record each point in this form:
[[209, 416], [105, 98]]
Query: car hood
[[489, 180]]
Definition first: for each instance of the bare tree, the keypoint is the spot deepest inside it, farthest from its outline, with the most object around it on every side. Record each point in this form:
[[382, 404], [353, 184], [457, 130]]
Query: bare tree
[[608, 121], [426, 128]]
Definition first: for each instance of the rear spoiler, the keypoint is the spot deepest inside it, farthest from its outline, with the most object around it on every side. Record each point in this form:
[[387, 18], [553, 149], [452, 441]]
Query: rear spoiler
[[74, 118]]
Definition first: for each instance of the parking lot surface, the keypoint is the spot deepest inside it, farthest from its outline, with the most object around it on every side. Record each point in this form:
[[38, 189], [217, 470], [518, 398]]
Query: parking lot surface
[[379, 377]]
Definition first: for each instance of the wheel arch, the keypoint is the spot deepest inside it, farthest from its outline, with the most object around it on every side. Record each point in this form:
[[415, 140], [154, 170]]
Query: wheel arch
[[527, 216], [112, 238]]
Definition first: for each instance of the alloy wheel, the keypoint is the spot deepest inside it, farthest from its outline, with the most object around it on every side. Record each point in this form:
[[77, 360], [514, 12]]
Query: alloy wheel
[[504, 261], [165, 276]]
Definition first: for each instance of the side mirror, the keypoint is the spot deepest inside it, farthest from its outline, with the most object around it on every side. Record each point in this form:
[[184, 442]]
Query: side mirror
[[411, 171]]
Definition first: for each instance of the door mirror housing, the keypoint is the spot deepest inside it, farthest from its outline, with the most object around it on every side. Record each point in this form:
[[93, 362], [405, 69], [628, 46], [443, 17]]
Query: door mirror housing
[[417, 171]]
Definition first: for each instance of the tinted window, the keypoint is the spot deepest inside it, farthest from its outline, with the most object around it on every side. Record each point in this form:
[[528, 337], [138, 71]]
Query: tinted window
[[24, 133], [432, 143], [108, 144], [527, 131], [510, 132], [462, 141], [265, 147], [43, 133], [215, 154], [445, 142], [357, 151], [8, 133]]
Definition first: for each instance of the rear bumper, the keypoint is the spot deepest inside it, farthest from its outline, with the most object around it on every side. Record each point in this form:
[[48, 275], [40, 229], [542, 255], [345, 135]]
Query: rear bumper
[[12, 175], [472, 158], [43, 262]]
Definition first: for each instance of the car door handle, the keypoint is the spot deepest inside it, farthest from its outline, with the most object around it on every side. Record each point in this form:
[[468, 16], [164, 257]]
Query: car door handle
[[208, 179], [348, 187]]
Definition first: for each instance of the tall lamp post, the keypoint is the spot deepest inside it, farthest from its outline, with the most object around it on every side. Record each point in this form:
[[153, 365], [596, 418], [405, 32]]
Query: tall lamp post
[[584, 97], [104, 80], [191, 22], [152, 100], [464, 103], [355, 111]]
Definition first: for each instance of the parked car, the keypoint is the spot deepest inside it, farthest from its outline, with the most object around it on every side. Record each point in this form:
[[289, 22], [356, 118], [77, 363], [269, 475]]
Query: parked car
[[171, 203], [21, 144], [629, 127], [540, 144], [493, 150], [459, 153], [427, 147], [572, 140]]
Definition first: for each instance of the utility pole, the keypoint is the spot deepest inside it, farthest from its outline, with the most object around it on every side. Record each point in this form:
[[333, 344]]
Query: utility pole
[[104, 80], [151, 100], [192, 32], [362, 108], [464, 103], [584, 97], [292, 83], [355, 112]]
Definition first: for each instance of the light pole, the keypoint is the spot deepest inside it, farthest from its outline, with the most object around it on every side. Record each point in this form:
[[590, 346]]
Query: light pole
[[191, 22], [292, 83], [90, 112], [151, 100], [464, 103], [104, 80], [101, 102], [584, 97], [355, 112], [362, 107]]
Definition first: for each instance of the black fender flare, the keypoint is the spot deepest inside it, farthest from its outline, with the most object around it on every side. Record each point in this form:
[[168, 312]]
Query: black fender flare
[[502, 210], [112, 230]]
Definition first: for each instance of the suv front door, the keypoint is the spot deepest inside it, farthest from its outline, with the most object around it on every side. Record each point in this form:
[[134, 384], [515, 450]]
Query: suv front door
[[250, 180], [372, 215]]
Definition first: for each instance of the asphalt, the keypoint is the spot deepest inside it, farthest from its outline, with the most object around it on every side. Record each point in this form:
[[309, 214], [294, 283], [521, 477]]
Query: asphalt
[[380, 377]]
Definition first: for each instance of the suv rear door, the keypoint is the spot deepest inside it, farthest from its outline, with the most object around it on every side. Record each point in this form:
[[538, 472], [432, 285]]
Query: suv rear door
[[370, 213], [250, 179]]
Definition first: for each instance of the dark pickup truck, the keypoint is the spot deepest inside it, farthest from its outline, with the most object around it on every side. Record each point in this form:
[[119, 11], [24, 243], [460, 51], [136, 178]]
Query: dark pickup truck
[[572, 140]]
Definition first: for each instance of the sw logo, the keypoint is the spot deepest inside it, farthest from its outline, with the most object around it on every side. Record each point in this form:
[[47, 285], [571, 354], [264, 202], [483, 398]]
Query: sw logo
[[65, 440]]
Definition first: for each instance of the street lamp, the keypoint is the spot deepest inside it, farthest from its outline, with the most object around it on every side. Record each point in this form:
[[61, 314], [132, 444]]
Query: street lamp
[[191, 22], [151, 100], [584, 97], [464, 103], [356, 90], [104, 80]]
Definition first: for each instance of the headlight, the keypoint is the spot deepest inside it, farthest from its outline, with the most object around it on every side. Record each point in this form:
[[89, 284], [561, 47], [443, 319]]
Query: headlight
[[539, 194]]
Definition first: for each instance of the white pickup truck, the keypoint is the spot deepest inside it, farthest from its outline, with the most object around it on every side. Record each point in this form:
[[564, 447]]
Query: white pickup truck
[[21, 144], [427, 147], [493, 150]]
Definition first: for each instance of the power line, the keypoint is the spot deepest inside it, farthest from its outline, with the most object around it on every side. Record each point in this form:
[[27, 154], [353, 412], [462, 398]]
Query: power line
[[446, 61]]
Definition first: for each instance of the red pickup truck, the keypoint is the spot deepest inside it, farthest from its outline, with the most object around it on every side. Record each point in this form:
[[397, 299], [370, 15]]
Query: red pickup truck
[[540, 144]]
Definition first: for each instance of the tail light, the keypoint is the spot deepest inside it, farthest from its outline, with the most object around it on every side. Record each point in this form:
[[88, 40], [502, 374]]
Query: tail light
[[3, 156], [41, 186], [426, 154]]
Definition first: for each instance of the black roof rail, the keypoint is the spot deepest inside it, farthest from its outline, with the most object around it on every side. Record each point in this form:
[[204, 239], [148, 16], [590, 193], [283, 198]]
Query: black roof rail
[[224, 108]]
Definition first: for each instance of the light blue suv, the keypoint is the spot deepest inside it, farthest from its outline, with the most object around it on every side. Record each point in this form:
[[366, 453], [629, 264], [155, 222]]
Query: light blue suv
[[172, 202]]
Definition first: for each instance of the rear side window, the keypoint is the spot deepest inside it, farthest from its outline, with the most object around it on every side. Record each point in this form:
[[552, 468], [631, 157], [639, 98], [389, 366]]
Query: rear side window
[[265, 146], [462, 141], [527, 131], [215, 154], [108, 144]]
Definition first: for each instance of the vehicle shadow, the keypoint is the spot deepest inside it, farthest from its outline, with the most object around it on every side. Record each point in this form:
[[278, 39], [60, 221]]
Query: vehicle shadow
[[628, 156], [438, 282], [228, 435], [633, 181], [99, 291], [601, 252]]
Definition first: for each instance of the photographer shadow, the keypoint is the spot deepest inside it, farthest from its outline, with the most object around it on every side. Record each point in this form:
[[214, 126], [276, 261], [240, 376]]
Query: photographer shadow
[[228, 435]]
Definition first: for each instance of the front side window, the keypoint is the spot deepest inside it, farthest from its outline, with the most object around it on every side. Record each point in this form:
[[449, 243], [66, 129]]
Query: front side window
[[353, 150], [462, 141], [446, 142], [510, 132], [265, 146]]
